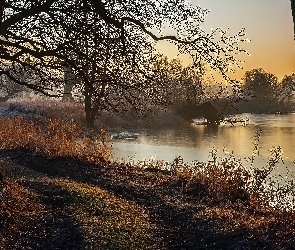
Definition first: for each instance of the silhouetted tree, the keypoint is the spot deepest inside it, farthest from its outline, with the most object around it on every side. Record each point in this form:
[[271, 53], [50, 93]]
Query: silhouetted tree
[[260, 84], [177, 84], [107, 44], [286, 89], [293, 14]]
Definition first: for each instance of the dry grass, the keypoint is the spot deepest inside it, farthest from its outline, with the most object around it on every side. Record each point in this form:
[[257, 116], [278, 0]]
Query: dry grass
[[148, 205], [105, 221], [49, 108], [53, 137], [127, 207], [228, 179], [17, 207]]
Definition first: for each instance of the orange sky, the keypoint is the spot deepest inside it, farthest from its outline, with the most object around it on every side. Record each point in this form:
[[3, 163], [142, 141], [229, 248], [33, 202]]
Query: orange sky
[[268, 24]]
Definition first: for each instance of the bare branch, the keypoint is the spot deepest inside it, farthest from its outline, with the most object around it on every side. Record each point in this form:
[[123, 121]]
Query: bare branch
[[37, 88]]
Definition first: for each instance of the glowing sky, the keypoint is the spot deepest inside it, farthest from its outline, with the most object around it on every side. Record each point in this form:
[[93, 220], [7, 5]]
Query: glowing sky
[[268, 24]]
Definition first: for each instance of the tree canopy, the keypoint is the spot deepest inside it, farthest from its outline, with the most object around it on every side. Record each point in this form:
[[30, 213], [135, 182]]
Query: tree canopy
[[267, 93], [260, 83], [109, 45]]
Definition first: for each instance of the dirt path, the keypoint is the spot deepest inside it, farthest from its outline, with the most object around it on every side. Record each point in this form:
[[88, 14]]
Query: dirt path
[[4, 105]]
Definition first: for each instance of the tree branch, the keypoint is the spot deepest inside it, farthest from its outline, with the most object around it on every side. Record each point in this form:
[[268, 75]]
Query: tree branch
[[40, 89], [24, 14], [102, 12]]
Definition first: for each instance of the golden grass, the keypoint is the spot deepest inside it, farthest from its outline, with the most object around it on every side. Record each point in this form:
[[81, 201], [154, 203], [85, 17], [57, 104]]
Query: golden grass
[[108, 220], [105, 220], [53, 137], [17, 206]]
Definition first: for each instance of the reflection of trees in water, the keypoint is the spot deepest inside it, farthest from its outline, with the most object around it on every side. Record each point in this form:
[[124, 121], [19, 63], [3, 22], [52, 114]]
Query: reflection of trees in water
[[195, 142], [186, 136], [211, 130], [277, 130], [177, 136]]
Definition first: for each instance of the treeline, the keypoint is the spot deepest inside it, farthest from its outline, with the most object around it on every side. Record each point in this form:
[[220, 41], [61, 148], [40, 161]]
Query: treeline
[[110, 48], [185, 90], [265, 93]]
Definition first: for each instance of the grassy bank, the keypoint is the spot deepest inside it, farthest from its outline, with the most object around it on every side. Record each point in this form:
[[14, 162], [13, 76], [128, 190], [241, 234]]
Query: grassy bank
[[62, 191]]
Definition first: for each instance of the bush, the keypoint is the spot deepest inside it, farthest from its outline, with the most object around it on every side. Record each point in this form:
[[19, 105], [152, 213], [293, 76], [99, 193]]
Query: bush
[[53, 137]]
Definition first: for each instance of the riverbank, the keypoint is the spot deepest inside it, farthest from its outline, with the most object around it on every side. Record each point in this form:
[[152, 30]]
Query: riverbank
[[73, 199], [64, 203]]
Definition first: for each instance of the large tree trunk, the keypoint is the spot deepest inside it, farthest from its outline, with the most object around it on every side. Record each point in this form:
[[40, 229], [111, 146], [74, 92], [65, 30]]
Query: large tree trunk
[[293, 13], [91, 106], [91, 112]]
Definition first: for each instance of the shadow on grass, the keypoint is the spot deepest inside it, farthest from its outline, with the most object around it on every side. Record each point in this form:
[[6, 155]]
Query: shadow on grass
[[41, 220], [162, 195], [61, 229]]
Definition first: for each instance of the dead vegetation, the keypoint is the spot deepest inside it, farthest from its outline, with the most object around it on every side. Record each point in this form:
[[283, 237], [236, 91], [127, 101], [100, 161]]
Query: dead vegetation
[[53, 136], [74, 197]]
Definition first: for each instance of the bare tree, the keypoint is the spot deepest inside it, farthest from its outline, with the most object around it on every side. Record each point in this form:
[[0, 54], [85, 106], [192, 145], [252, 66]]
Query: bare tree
[[178, 84], [109, 45]]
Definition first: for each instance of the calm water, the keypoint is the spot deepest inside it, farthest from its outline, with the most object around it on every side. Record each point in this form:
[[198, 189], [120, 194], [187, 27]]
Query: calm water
[[196, 141]]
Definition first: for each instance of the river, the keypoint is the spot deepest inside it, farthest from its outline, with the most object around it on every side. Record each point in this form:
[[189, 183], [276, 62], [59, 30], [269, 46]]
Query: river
[[194, 142]]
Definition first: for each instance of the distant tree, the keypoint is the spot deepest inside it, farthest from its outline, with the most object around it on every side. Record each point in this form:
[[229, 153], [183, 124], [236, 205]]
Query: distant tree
[[286, 89], [109, 45], [9, 88], [176, 83], [70, 80], [192, 85], [260, 84]]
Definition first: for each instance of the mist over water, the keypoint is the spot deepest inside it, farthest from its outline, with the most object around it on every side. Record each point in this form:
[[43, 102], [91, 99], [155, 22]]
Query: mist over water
[[194, 142]]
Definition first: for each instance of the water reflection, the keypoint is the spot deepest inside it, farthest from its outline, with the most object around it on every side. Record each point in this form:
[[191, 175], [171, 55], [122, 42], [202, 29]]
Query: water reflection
[[276, 130]]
